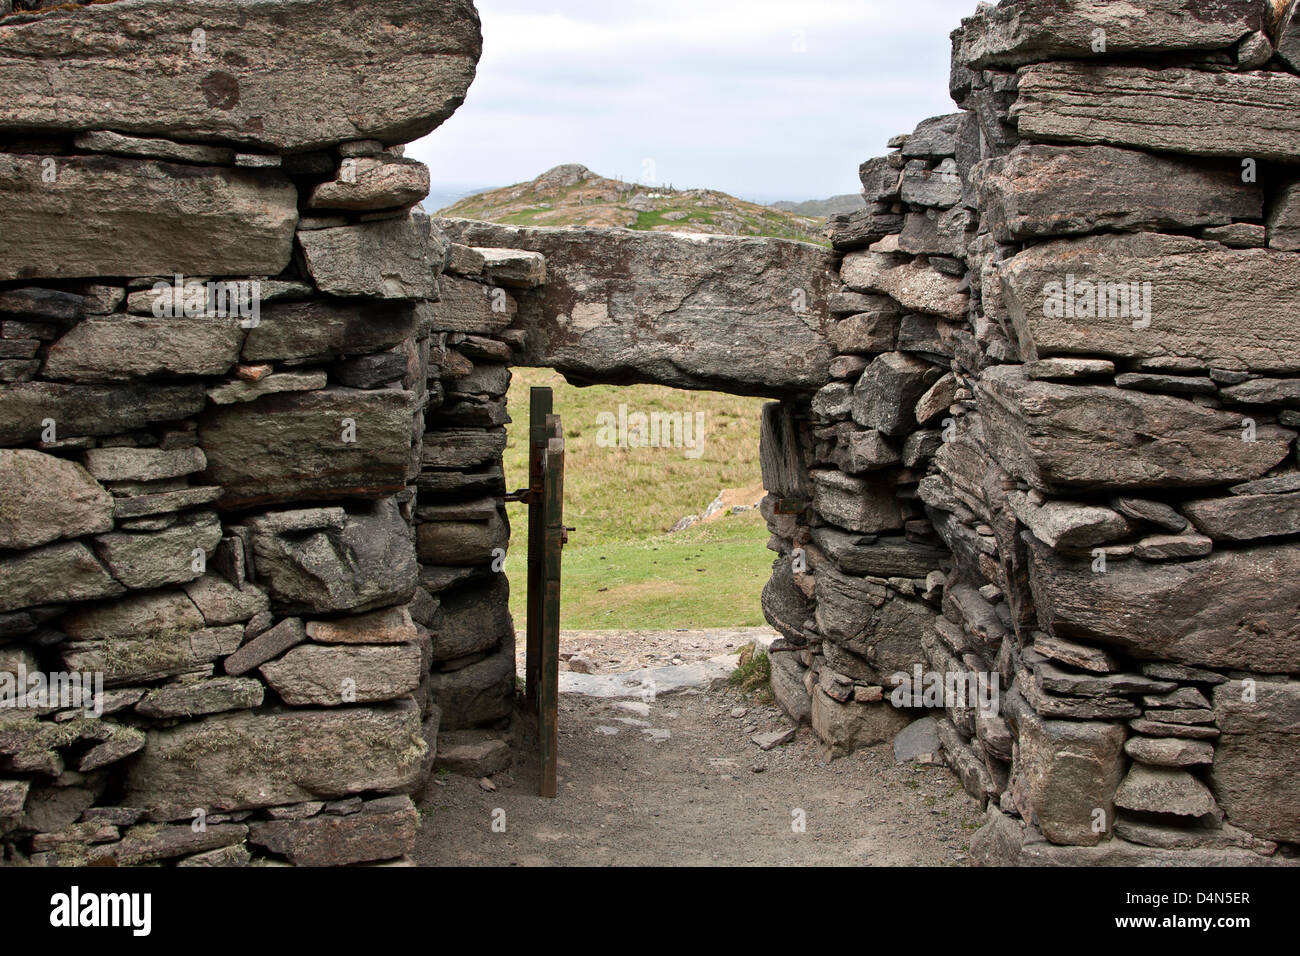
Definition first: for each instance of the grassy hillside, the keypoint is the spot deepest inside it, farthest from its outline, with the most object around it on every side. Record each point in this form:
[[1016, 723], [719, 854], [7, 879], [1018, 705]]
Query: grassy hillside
[[575, 196], [622, 569]]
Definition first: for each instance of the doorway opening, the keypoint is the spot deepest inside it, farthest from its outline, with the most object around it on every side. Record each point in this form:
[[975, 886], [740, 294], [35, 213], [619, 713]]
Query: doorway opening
[[667, 559]]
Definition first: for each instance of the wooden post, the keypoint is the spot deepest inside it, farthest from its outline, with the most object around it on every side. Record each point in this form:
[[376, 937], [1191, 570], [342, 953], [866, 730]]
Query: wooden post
[[548, 722], [539, 407]]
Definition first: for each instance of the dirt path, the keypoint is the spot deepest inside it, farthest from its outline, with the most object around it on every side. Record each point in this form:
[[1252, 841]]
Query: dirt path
[[614, 651], [677, 781]]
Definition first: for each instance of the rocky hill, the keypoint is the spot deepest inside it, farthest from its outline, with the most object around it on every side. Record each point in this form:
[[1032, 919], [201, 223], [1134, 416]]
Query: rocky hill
[[848, 202], [572, 195]]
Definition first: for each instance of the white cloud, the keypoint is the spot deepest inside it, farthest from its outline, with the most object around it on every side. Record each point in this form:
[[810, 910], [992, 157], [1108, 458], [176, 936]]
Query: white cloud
[[762, 98]]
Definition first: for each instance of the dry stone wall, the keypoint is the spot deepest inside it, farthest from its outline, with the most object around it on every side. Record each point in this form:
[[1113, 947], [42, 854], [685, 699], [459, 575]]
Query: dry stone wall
[[1057, 453], [250, 434], [1031, 467]]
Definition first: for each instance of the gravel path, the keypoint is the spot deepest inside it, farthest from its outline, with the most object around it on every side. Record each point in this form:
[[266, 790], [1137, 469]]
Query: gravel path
[[677, 781]]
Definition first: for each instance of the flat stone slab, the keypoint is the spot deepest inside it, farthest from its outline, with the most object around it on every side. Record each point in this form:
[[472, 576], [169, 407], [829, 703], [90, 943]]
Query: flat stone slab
[[1039, 191], [1024, 31], [647, 683], [281, 76], [164, 218], [1231, 307], [248, 759], [689, 311], [1174, 110], [1091, 437], [1230, 609], [291, 445]]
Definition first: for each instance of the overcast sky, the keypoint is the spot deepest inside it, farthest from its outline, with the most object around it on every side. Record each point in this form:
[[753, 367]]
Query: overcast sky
[[765, 99]]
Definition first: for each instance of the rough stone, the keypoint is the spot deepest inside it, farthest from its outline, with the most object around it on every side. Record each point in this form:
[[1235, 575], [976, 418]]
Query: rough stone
[[121, 348], [143, 560], [938, 187], [844, 728], [863, 504], [1016, 32], [1152, 512], [469, 307], [1040, 191], [1230, 307], [48, 498], [1164, 790], [918, 742], [1167, 547], [1169, 751], [472, 753], [1061, 437], [1283, 230], [1172, 110], [907, 281], [514, 268], [388, 259], [106, 141], [382, 829], [1068, 524], [392, 625], [79, 410], [298, 444], [462, 542], [1005, 841], [1256, 763], [886, 395], [473, 621], [241, 391], [331, 675], [201, 697], [1070, 770], [883, 557], [250, 759], [1246, 517], [479, 693], [1230, 609], [599, 320], [788, 687], [309, 74], [143, 464], [166, 218], [67, 571], [372, 183], [265, 646], [367, 562]]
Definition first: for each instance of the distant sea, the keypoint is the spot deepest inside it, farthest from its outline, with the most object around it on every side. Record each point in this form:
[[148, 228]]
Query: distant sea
[[441, 196]]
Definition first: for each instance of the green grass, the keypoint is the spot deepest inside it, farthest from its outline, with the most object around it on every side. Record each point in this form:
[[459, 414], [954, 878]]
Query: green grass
[[621, 569], [754, 674], [706, 577]]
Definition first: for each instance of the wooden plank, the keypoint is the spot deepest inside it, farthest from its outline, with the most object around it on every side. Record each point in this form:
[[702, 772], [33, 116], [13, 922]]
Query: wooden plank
[[548, 719], [540, 400]]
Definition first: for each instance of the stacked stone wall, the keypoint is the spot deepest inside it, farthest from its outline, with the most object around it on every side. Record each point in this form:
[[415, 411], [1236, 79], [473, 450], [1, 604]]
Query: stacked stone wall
[[1057, 451], [250, 433]]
